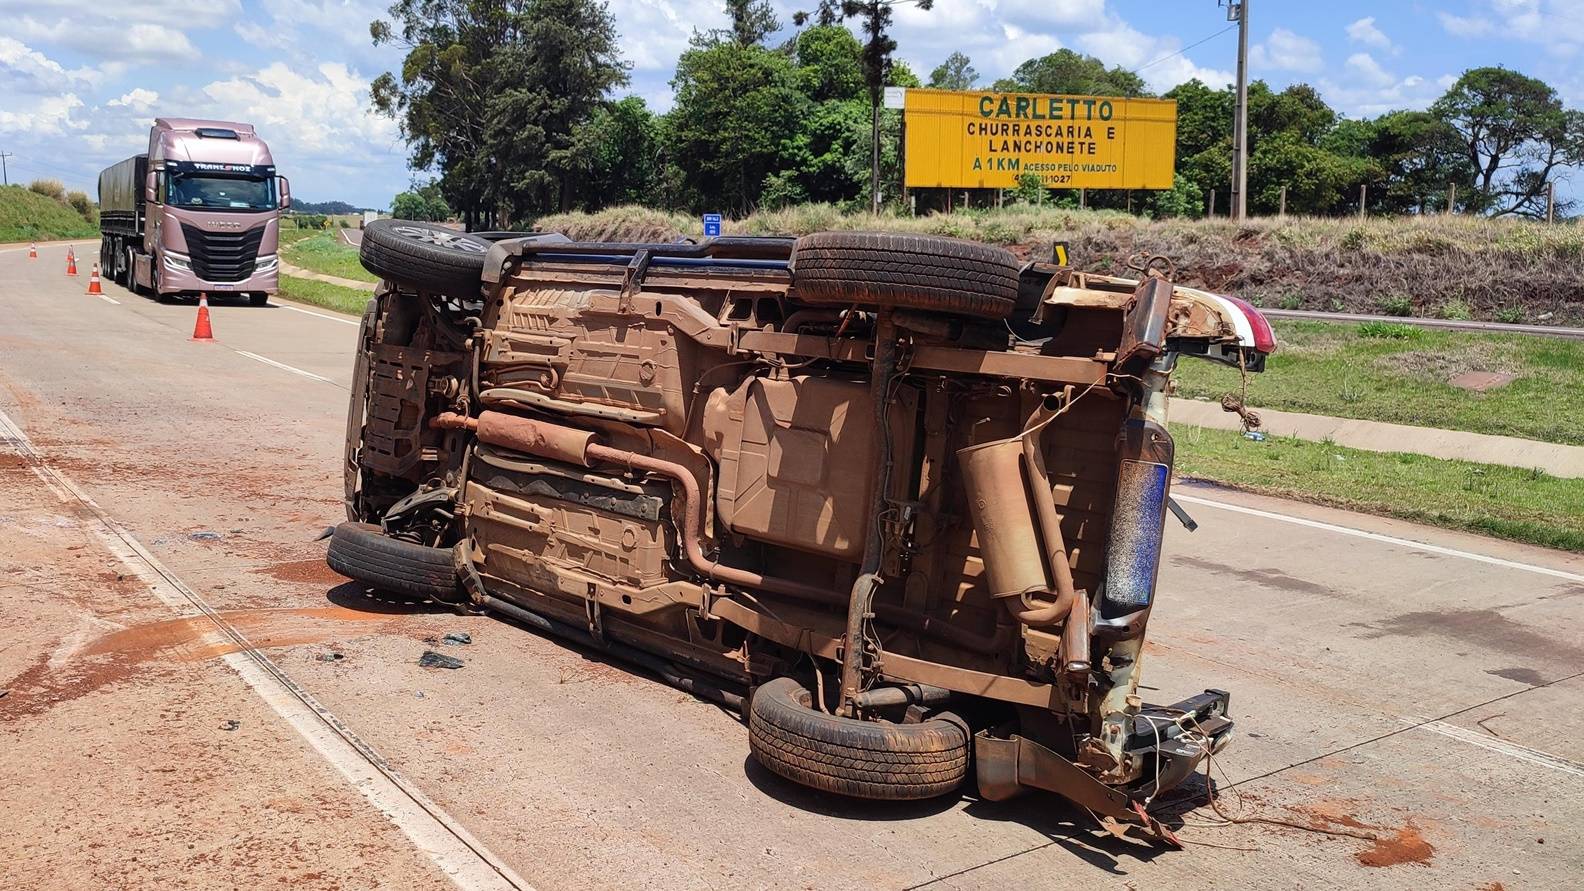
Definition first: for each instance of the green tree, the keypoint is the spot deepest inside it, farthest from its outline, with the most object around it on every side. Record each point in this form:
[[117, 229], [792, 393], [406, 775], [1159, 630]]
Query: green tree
[[876, 16], [829, 63], [752, 22], [736, 121], [490, 91], [1515, 134], [1317, 181], [1065, 71], [617, 152], [421, 203], [956, 73]]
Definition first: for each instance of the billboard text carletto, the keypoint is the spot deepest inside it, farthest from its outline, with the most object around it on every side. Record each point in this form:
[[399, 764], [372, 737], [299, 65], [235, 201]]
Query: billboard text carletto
[[980, 140]]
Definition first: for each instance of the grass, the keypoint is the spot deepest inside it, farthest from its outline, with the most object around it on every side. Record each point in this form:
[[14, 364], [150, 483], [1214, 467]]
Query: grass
[[1521, 505], [1381, 372], [1419, 266], [323, 252], [29, 216], [304, 290]]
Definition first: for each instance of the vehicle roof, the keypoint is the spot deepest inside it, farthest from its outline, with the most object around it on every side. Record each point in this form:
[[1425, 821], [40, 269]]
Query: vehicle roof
[[176, 139]]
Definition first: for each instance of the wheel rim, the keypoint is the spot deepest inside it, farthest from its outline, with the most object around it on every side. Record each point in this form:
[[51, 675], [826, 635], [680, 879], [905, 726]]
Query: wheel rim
[[451, 241]]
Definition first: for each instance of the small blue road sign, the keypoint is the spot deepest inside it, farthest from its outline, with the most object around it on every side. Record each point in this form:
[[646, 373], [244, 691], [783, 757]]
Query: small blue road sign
[[712, 225]]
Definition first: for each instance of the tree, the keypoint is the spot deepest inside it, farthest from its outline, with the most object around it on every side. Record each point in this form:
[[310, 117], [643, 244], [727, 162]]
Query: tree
[[752, 21], [617, 152], [829, 63], [1065, 71], [490, 91], [877, 50], [1515, 134], [736, 121], [954, 74], [421, 203]]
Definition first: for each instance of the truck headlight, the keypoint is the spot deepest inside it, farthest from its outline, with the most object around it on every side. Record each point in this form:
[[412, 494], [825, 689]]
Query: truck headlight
[[267, 263], [177, 262]]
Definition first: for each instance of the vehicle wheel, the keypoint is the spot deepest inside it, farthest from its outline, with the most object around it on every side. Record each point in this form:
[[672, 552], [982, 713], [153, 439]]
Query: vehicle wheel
[[424, 256], [154, 286], [258, 298], [363, 552], [127, 278], [864, 759], [907, 271]]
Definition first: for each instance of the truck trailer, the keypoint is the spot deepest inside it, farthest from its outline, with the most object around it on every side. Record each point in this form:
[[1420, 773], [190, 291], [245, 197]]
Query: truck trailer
[[198, 213]]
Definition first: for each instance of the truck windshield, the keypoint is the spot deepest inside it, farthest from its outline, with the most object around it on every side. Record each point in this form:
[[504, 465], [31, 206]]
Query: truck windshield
[[222, 192]]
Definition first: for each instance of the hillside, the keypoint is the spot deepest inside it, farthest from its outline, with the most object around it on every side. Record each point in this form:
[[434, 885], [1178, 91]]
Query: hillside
[[1455, 267], [28, 216]]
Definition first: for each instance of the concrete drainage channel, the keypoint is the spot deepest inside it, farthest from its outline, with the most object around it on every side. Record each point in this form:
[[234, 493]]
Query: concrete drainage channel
[[455, 852]]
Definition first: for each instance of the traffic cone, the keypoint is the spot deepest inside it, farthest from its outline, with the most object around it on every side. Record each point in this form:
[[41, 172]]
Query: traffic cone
[[93, 281], [33, 251], [71, 262], [202, 331]]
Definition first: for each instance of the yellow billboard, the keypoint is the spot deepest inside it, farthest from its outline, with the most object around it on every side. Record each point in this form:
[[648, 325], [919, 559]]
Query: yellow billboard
[[986, 140]]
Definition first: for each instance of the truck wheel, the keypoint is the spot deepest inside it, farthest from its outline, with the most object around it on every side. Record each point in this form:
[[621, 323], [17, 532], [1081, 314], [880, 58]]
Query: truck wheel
[[258, 298], [864, 759], [907, 271], [364, 553], [424, 256]]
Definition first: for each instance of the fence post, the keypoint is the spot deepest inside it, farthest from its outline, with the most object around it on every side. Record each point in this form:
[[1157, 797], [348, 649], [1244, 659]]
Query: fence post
[[1551, 201], [1283, 211], [1451, 198], [1130, 200], [1083, 200], [1212, 204], [1000, 195], [1363, 198]]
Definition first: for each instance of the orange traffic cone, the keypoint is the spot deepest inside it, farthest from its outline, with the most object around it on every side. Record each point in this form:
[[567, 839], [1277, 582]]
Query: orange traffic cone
[[71, 262], [33, 251], [202, 331], [93, 281]]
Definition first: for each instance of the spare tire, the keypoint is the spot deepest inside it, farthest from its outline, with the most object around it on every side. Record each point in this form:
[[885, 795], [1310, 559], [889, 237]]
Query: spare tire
[[907, 271], [424, 256], [863, 759], [364, 553]]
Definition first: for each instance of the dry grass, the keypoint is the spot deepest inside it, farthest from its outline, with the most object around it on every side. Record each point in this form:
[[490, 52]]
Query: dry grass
[[1519, 269]]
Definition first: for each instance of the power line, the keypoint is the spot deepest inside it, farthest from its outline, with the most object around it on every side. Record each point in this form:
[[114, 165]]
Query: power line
[[1186, 48]]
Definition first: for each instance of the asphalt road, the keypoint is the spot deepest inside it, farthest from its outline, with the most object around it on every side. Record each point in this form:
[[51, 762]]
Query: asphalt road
[[1388, 680]]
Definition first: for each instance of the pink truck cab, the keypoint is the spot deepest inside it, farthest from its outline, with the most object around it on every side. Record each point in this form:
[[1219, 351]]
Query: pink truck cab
[[198, 213]]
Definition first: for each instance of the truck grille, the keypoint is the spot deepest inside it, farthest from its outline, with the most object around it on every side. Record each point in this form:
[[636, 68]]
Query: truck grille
[[223, 256]]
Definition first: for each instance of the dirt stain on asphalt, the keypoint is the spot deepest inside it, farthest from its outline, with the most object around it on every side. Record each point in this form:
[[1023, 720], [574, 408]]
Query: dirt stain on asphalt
[[1521, 675], [312, 571], [1271, 578], [128, 652], [1406, 845], [1482, 627]]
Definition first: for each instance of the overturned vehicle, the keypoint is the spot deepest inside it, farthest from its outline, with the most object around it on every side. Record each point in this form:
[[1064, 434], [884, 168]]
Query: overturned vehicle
[[899, 499]]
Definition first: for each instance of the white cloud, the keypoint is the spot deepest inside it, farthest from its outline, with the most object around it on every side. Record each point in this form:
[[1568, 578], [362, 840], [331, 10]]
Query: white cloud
[[43, 116], [108, 40], [1364, 31], [1368, 88], [1286, 51], [138, 99], [1465, 26], [26, 70]]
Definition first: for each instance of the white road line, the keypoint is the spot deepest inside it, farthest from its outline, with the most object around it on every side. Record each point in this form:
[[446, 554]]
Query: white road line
[[108, 299], [1504, 747], [284, 367], [1387, 539], [461, 857], [309, 312]]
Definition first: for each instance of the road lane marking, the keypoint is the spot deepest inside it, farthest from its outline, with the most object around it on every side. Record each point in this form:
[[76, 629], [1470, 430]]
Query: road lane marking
[[108, 299], [1386, 539], [284, 367], [309, 312], [454, 851], [1504, 747]]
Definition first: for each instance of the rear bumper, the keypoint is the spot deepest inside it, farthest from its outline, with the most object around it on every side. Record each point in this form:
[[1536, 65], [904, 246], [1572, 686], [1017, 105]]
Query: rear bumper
[[173, 281]]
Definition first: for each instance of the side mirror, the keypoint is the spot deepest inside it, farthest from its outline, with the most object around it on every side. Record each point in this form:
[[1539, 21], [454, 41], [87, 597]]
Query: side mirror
[[284, 185], [151, 186]]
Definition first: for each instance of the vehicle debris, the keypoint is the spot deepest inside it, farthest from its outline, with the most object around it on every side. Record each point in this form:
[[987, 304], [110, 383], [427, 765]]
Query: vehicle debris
[[431, 659], [457, 639], [230, 724], [204, 536], [330, 657], [883, 482]]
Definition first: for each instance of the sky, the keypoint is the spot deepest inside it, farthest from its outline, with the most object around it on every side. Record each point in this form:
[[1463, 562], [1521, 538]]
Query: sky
[[82, 80]]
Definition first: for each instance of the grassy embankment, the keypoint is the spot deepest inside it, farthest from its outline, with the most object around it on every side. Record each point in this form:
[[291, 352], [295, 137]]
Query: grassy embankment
[[28, 216], [1507, 502], [1499, 270], [323, 251]]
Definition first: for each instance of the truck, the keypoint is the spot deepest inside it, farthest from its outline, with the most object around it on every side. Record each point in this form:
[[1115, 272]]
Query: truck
[[198, 213]]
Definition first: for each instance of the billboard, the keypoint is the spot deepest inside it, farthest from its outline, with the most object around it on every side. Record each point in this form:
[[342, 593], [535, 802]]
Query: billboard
[[987, 140]]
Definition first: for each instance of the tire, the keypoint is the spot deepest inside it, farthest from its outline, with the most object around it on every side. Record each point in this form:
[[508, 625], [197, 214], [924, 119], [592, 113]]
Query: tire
[[905, 271], [862, 759], [362, 552], [424, 257], [258, 298]]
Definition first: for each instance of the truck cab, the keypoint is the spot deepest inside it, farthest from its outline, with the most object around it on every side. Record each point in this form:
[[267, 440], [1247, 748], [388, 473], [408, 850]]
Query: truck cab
[[199, 213]]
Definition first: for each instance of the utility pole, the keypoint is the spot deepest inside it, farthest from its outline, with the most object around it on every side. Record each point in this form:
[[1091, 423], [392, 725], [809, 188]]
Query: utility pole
[[874, 161], [1237, 11], [5, 174]]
